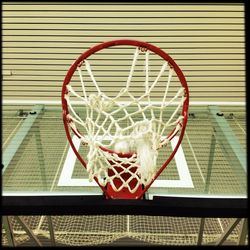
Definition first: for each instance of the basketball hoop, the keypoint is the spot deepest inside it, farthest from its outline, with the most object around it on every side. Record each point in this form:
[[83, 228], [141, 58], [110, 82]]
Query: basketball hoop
[[123, 137]]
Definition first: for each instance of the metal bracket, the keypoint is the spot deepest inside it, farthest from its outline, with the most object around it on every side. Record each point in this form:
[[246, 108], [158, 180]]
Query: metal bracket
[[229, 143], [19, 137]]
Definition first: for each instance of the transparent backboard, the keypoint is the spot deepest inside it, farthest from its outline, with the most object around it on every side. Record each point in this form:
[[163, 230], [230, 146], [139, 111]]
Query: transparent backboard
[[211, 161]]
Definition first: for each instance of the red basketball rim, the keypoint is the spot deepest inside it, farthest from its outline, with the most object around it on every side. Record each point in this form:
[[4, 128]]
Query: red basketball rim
[[144, 46]]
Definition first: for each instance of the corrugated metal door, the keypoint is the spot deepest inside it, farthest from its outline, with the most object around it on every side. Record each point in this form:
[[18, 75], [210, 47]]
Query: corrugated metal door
[[41, 40]]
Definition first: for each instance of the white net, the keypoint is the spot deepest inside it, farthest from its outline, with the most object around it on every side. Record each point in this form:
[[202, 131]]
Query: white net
[[124, 136], [106, 229]]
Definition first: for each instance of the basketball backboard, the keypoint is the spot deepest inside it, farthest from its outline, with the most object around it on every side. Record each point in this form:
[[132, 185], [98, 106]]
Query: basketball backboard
[[42, 175]]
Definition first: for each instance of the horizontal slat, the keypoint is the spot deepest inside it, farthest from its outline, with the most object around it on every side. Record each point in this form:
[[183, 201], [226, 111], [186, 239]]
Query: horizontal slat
[[60, 55], [117, 86], [44, 99], [116, 73], [189, 78], [7, 72], [42, 66], [170, 51], [129, 3], [137, 14], [44, 72], [89, 22], [102, 29], [39, 44], [122, 7], [119, 27], [42, 40], [112, 82], [55, 83], [98, 17], [70, 56], [53, 67], [57, 94], [160, 41], [115, 35], [122, 67], [111, 89], [180, 54]]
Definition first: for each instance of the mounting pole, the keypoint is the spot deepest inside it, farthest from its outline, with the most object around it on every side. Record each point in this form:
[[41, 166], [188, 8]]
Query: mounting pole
[[19, 137]]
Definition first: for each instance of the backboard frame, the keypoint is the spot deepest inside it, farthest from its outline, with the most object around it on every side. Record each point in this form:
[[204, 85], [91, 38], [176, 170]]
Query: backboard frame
[[56, 203]]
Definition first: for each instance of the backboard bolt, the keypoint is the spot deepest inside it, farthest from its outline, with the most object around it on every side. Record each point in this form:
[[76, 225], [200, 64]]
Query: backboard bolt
[[192, 115], [21, 113], [219, 114]]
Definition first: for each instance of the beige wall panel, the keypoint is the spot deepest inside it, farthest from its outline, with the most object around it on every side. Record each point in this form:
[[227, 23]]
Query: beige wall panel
[[18, 69], [56, 98], [71, 31], [139, 75], [191, 68], [62, 44], [189, 78], [17, 55], [119, 27], [12, 36], [40, 42], [43, 92], [125, 7], [111, 89], [64, 62], [16, 77], [73, 18], [193, 84], [98, 16]]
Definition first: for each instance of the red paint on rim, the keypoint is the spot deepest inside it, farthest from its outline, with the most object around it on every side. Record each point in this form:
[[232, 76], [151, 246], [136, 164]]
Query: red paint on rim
[[143, 46]]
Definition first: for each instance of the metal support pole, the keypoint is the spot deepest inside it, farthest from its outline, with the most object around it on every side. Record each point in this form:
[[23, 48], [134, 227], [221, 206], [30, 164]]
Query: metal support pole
[[51, 230], [210, 163], [19, 137], [201, 231], [227, 232], [231, 146], [40, 156], [207, 183], [9, 231], [243, 232], [28, 230]]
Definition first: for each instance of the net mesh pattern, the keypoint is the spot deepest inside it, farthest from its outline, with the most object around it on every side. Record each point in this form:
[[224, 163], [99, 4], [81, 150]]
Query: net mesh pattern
[[114, 125], [103, 230], [99, 230]]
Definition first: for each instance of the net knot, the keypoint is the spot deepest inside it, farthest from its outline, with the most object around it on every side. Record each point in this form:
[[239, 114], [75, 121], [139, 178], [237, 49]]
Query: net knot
[[98, 102]]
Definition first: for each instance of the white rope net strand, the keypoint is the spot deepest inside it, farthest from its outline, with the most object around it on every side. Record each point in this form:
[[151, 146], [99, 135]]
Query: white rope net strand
[[137, 125]]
